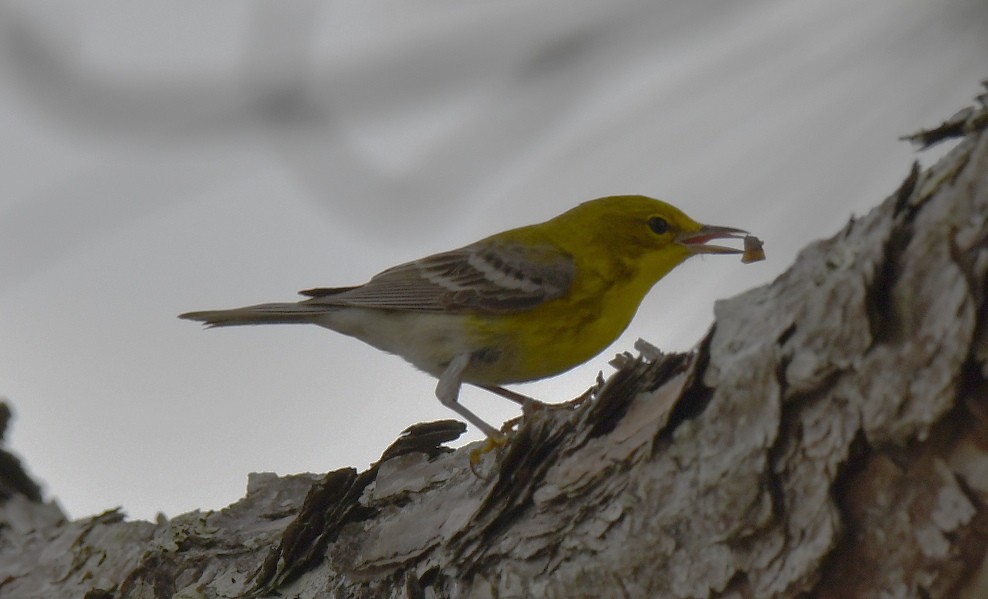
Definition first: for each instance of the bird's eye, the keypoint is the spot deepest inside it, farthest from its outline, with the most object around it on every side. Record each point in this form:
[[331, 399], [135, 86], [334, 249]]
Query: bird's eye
[[658, 225]]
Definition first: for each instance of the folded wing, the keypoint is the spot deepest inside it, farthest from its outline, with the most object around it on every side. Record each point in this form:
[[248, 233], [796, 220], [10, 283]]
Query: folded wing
[[488, 276]]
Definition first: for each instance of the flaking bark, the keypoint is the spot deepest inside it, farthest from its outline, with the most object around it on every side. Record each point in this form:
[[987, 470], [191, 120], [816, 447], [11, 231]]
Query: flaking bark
[[828, 438]]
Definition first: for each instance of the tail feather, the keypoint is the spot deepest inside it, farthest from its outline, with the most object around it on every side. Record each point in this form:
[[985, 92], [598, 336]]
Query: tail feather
[[281, 313]]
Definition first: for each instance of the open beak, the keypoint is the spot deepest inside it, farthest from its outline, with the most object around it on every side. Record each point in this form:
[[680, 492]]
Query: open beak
[[696, 242]]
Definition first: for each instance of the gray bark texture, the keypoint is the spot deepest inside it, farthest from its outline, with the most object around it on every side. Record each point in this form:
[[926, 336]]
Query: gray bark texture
[[828, 438]]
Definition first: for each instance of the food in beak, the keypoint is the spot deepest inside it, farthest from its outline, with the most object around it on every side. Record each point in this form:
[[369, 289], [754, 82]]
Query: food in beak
[[696, 242]]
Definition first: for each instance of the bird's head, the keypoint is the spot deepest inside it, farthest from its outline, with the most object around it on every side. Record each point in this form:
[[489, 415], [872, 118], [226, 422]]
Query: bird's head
[[640, 228]]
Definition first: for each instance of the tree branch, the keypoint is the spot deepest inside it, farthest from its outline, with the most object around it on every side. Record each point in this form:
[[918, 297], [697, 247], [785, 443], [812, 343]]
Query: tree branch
[[828, 438]]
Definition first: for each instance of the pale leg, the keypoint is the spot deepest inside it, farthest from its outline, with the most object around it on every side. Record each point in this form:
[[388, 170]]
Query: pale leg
[[448, 392], [514, 396]]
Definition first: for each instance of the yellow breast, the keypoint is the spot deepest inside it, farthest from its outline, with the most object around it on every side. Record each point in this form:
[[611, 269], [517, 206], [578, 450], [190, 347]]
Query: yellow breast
[[556, 336]]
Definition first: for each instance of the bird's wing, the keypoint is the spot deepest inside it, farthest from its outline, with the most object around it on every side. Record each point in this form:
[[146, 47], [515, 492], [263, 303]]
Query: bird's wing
[[487, 276]]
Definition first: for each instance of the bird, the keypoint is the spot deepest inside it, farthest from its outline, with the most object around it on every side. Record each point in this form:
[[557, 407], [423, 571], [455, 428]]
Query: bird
[[524, 304]]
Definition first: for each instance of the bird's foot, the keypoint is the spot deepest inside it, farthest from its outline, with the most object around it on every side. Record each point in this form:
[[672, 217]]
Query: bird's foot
[[490, 444]]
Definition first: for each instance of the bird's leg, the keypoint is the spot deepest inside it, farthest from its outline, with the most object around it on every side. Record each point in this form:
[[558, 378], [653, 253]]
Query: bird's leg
[[528, 404], [448, 392], [514, 396]]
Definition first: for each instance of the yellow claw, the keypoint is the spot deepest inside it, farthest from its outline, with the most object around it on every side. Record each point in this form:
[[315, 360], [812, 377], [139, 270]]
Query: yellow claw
[[490, 444]]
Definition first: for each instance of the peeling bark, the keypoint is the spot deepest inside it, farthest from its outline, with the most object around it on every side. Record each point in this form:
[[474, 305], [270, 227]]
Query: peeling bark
[[828, 438]]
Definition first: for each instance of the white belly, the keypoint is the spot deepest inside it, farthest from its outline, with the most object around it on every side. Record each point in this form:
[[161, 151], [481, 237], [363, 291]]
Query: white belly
[[429, 341]]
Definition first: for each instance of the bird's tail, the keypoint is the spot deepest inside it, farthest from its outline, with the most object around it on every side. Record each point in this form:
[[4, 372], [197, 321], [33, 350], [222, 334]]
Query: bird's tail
[[282, 313]]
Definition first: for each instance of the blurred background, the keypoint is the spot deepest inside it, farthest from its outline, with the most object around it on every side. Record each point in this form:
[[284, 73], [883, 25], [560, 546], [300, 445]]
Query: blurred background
[[164, 157]]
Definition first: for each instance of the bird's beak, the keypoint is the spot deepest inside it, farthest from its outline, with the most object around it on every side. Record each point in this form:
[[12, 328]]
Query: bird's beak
[[696, 242]]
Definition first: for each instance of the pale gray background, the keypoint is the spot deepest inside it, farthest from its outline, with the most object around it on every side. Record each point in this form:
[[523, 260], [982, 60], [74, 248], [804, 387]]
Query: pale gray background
[[164, 157]]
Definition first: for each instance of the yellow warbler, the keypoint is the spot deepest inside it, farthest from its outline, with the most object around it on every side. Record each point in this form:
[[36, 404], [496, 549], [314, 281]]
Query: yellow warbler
[[520, 305]]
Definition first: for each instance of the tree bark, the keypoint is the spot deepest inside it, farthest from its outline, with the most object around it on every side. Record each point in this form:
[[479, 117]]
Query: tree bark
[[828, 438]]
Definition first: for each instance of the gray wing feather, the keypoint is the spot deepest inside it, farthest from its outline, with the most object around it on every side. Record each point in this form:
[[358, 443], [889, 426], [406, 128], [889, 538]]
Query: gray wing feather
[[486, 276]]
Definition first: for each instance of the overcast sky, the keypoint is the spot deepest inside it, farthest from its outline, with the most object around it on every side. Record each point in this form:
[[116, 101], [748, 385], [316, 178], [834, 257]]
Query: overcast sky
[[157, 158]]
